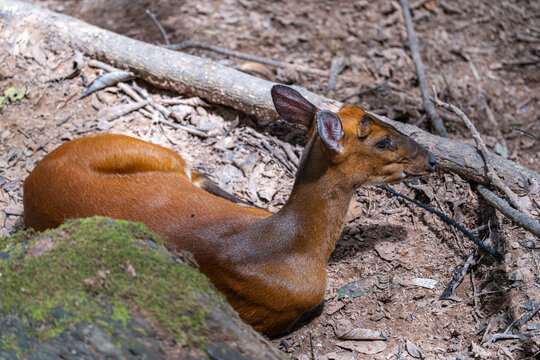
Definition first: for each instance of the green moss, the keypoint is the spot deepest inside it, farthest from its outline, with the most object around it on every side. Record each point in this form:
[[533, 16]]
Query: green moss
[[98, 269], [10, 342]]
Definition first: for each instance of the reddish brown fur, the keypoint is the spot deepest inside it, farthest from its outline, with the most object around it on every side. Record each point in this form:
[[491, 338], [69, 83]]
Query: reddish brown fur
[[271, 267]]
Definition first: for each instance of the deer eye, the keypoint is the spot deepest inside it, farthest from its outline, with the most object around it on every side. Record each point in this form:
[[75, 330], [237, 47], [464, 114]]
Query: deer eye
[[383, 144], [386, 144]]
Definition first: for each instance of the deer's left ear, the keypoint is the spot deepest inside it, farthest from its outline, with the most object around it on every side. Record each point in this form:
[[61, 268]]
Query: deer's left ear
[[330, 130]]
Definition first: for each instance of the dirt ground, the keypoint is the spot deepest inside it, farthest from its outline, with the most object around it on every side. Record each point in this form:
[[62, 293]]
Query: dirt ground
[[481, 55]]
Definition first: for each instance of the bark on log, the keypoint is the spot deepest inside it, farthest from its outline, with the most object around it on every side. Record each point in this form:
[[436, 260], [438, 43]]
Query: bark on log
[[220, 84]]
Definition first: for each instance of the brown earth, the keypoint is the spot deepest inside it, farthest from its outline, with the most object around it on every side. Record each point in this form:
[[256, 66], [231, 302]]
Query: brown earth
[[479, 54]]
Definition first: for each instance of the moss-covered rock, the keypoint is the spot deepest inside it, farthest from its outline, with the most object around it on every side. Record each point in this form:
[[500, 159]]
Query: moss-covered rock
[[99, 287]]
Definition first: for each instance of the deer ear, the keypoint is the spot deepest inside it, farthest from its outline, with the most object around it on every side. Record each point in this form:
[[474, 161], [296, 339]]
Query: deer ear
[[330, 130], [293, 107]]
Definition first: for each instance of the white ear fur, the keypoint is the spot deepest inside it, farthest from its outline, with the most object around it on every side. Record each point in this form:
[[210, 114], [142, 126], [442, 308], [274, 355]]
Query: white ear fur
[[330, 130]]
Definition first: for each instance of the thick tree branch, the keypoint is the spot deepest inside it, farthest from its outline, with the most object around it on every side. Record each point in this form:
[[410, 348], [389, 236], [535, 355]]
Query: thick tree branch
[[519, 218]]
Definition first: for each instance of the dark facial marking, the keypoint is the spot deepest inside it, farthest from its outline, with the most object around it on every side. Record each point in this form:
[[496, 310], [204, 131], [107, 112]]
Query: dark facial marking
[[365, 119]]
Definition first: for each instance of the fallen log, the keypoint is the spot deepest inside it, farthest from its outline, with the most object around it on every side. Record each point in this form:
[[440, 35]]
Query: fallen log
[[220, 84]]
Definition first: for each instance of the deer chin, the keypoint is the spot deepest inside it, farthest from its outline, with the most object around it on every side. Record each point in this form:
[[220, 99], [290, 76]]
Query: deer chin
[[411, 176], [383, 180]]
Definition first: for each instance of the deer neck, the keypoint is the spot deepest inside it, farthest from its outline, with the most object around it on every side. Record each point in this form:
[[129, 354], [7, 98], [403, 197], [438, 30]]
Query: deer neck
[[316, 209]]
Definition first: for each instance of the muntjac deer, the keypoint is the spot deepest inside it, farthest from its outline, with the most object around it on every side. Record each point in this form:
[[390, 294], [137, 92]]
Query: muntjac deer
[[270, 266]]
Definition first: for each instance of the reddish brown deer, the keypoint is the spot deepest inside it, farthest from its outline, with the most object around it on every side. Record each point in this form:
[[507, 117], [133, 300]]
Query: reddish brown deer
[[270, 266]]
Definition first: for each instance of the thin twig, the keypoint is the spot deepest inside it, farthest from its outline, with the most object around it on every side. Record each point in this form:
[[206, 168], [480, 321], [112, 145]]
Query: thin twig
[[163, 32], [449, 221], [337, 66], [528, 316], [520, 321], [187, 44], [493, 177], [458, 239], [526, 134], [521, 337], [311, 345], [289, 167], [186, 128], [459, 274], [278, 157], [101, 65], [413, 45], [117, 111], [154, 108], [481, 92]]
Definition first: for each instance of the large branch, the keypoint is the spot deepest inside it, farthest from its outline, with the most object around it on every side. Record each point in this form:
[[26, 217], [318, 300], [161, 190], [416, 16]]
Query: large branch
[[223, 85]]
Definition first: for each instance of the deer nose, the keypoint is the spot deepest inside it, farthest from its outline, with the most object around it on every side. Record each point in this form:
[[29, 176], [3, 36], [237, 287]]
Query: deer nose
[[432, 162]]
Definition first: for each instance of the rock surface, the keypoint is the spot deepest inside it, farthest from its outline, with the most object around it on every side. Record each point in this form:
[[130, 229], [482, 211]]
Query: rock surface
[[101, 288]]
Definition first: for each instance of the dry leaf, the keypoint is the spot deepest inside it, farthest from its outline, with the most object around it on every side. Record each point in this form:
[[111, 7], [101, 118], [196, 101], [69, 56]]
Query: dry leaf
[[257, 69], [68, 69], [357, 288], [479, 352], [103, 273], [109, 79], [431, 5], [362, 334], [387, 250], [425, 283], [334, 308], [414, 351], [131, 270]]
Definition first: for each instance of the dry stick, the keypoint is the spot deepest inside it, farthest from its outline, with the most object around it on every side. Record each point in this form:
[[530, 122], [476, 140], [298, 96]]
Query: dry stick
[[311, 345], [413, 45], [458, 239], [271, 152], [163, 32], [162, 109], [521, 337], [101, 65], [520, 321], [528, 316], [493, 177], [186, 128], [480, 90], [187, 44], [449, 221], [152, 107], [115, 112], [337, 66], [459, 274], [526, 133], [475, 301], [278, 157]]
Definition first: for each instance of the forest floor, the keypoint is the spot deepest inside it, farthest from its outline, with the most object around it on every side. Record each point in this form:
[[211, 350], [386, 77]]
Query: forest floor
[[481, 55]]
